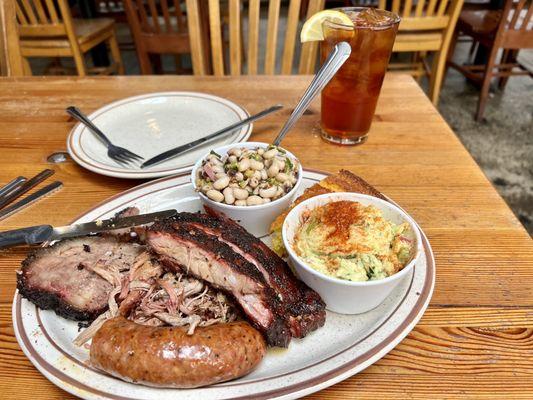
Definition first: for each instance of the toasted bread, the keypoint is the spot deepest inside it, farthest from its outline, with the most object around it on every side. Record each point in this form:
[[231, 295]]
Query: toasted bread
[[346, 181], [343, 181]]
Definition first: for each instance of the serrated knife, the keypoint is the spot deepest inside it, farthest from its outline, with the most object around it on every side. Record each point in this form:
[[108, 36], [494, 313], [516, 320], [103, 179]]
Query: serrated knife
[[46, 233]]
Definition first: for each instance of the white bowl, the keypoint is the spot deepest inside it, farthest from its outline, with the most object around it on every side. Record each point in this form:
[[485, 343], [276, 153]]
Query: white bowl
[[255, 219], [343, 296]]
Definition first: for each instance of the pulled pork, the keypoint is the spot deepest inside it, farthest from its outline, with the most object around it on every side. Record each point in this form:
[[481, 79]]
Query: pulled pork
[[148, 296]]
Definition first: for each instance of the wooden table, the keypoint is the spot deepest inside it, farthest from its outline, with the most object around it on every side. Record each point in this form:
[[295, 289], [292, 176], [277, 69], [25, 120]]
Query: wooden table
[[476, 338]]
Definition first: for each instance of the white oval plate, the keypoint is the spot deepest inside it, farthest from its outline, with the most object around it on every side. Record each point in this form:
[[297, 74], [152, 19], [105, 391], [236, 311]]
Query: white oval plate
[[345, 345], [153, 123]]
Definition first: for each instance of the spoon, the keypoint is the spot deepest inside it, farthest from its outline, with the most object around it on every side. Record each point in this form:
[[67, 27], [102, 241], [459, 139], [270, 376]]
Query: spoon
[[336, 58]]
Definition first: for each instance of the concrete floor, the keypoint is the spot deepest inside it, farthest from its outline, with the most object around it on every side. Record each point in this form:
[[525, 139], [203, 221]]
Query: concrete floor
[[502, 144]]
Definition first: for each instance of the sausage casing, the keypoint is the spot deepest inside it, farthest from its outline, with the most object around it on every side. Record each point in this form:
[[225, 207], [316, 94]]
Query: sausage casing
[[168, 357]]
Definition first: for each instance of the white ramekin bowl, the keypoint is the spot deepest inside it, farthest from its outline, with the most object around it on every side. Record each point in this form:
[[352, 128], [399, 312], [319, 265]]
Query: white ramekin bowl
[[255, 219], [343, 296]]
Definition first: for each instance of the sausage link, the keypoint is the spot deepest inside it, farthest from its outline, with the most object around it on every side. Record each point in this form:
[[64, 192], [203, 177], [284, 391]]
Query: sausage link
[[168, 357]]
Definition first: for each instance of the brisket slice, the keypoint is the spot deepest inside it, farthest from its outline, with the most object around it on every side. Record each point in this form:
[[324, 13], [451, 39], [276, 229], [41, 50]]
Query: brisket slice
[[74, 277], [304, 307], [190, 250]]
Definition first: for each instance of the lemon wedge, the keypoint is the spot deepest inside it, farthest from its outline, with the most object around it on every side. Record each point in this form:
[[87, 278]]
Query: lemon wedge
[[312, 29]]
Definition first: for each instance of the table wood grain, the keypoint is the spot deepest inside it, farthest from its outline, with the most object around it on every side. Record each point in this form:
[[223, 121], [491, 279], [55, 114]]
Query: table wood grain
[[476, 338]]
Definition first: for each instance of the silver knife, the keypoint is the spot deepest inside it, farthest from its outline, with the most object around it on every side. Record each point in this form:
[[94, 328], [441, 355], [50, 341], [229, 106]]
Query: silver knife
[[14, 184], [188, 146], [25, 186], [45, 233], [30, 199]]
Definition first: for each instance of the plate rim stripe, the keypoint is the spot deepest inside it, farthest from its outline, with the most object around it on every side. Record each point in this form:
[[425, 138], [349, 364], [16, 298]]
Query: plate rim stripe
[[83, 159], [398, 334], [229, 384]]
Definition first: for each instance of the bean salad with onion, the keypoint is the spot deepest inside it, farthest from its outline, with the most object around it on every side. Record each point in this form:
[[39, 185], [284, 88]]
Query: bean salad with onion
[[247, 177]]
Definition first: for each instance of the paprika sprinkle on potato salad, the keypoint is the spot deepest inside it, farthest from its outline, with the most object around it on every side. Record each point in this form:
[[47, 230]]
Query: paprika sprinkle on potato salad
[[347, 240]]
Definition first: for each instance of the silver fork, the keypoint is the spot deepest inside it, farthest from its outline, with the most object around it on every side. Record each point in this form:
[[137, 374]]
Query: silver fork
[[119, 154]]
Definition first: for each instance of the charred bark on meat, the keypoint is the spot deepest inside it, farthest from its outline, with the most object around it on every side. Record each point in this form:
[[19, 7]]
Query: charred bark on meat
[[304, 306], [72, 281], [295, 309], [225, 270]]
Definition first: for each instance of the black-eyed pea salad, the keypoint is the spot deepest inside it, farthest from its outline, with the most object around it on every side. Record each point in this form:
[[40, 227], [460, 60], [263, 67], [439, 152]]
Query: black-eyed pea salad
[[247, 177]]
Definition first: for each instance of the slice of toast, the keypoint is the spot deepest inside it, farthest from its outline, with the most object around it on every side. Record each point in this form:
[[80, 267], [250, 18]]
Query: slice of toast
[[343, 181], [346, 181]]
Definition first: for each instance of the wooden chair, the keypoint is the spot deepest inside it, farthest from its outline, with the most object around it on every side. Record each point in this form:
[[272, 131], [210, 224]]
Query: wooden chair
[[47, 29], [426, 26], [510, 29], [11, 63], [158, 27], [234, 64]]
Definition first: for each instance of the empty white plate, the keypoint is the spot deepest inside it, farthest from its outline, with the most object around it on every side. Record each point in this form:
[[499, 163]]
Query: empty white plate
[[151, 124]]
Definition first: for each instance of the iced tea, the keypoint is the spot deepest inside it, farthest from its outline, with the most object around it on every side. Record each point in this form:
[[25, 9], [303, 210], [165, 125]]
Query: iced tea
[[349, 100]]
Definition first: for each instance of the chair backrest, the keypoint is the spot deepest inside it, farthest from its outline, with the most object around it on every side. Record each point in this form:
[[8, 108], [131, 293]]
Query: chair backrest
[[424, 15], [158, 26], [157, 16], [44, 18], [10, 57], [250, 12], [434, 20], [516, 27]]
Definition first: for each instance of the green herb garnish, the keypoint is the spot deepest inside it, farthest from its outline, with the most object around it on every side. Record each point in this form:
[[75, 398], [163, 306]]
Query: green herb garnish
[[311, 225], [215, 153], [288, 165], [233, 166], [349, 257]]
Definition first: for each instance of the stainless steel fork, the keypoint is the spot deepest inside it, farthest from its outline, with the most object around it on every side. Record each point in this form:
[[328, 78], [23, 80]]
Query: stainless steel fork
[[119, 154]]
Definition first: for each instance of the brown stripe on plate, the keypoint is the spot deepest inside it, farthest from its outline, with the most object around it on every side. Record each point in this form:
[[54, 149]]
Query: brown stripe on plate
[[87, 158], [50, 368], [396, 335], [277, 392]]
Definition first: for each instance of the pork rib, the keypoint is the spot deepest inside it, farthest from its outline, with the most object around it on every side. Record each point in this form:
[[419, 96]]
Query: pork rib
[[213, 248], [305, 308], [193, 252]]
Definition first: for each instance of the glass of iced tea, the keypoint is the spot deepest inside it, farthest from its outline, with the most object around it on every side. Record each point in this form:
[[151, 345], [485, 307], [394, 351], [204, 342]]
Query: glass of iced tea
[[349, 100]]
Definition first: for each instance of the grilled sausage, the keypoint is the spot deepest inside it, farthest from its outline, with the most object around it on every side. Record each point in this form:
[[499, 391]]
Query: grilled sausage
[[168, 357]]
